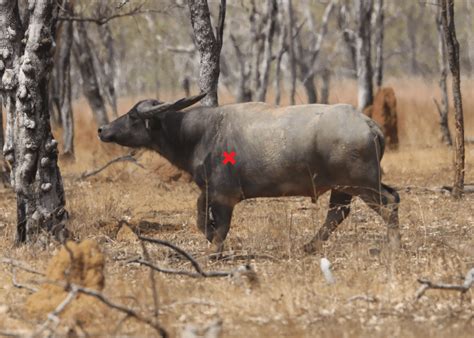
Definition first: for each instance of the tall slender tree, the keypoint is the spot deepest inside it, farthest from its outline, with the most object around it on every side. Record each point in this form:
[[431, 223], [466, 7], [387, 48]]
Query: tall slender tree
[[452, 46], [209, 46], [364, 52], [30, 147]]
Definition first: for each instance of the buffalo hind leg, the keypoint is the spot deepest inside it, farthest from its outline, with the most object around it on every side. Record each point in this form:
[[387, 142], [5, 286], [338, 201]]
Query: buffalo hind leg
[[386, 204], [339, 208]]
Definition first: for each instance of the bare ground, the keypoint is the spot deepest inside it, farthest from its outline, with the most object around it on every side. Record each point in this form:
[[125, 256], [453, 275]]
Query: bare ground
[[374, 294]]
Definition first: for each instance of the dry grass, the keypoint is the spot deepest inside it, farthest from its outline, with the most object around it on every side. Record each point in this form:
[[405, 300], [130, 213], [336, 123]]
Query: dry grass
[[292, 299]]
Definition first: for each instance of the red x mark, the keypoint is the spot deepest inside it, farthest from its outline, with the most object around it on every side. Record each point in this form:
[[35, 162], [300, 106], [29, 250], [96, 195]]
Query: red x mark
[[229, 158]]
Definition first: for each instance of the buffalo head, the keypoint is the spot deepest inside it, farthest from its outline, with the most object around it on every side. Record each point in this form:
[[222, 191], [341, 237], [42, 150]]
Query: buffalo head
[[133, 128]]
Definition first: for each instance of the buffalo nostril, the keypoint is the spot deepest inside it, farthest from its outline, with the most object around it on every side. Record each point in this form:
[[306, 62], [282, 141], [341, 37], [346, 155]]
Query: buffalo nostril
[[99, 130]]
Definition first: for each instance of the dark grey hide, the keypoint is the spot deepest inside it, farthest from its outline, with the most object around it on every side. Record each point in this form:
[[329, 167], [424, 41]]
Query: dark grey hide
[[301, 150]]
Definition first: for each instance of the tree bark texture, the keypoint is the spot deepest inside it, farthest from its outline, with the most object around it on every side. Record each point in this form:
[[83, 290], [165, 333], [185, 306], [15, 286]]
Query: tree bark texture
[[209, 46], [283, 49], [325, 85], [244, 94], [452, 46], [443, 108], [81, 48], [272, 11], [291, 49], [30, 147], [364, 63], [4, 171], [349, 38], [379, 35], [62, 80]]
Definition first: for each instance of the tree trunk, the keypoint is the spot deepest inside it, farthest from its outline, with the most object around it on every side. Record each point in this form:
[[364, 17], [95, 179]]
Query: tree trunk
[[412, 23], [310, 89], [443, 109], [209, 47], [90, 83], [291, 48], [30, 147], [109, 67], [326, 79], [364, 63], [349, 38], [379, 35], [272, 11], [452, 46], [63, 80], [283, 48], [4, 172], [244, 93]]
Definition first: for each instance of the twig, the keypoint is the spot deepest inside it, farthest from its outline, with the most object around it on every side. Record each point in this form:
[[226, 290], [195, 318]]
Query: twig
[[11, 334], [125, 158], [152, 282], [241, 270], [53, 316], [21, 266], [426, 284], [181, 272], [365, 298], [183, 253], [19, 285], [74, 289], [103, 20]]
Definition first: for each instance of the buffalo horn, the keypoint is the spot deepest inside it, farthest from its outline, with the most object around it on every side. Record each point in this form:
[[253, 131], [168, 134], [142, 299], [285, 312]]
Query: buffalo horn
[[174, 106]]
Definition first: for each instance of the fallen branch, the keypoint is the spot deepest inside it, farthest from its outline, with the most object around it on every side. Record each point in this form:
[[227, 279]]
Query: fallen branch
[[125, 158], [468, 188], [246, 269], [20, 285], [54, 315], [426, 284], [74, 289], [21, 266]]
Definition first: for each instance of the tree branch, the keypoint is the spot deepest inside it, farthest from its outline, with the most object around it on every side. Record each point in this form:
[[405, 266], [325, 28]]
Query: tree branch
[[426, 284], [125, 158], [105, 19]]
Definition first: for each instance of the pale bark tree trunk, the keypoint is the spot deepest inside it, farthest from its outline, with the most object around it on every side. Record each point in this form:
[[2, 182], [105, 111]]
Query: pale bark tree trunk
[[63, 80], [307, 59], [452, 46], [244, 94], [283, 49], [349, 38], [209, 46], [291, 48], [412, 23], [90, 83], [364, 62], [379, 35], [109, 66], [30, 147], [443, 108], [272, 11]]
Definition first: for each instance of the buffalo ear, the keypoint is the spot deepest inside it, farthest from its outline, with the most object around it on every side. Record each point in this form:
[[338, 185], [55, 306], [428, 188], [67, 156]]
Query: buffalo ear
[[149, 112]]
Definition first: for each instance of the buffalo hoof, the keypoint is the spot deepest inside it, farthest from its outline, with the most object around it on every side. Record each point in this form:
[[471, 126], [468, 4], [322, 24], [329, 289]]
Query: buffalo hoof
[[313, 247]]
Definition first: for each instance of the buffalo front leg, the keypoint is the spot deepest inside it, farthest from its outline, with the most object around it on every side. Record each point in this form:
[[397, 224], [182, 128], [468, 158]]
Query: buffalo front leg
[[339, 208], [222, 215]]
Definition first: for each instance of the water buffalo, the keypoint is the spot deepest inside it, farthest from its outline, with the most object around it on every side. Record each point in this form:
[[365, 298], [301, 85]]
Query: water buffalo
[[248, 150]]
